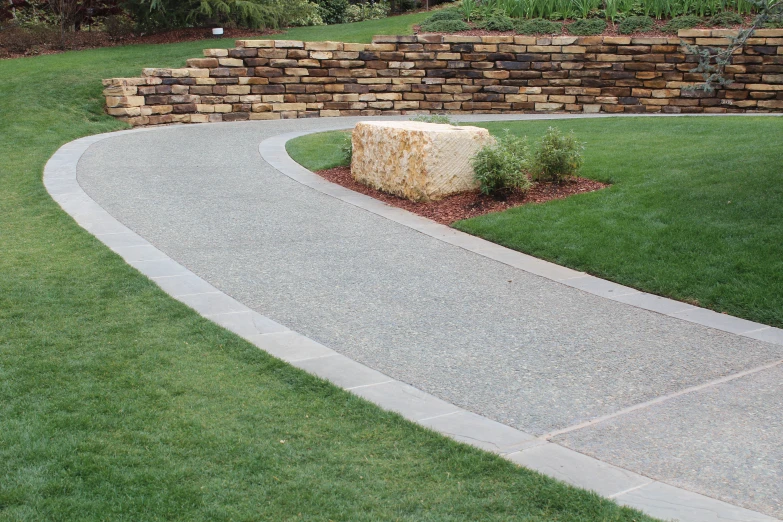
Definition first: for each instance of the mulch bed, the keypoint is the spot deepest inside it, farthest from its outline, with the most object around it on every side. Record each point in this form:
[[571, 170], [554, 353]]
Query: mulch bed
[[468, 204]]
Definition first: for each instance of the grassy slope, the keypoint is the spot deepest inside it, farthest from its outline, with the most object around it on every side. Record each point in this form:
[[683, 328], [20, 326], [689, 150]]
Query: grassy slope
[[116, 402], [695, 212]]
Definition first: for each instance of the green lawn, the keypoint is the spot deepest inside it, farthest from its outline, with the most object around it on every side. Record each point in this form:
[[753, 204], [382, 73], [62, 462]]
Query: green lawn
[[119, 403], [695, 211]]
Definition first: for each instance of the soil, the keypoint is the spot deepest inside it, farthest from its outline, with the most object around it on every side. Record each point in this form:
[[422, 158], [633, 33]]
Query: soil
[[467, 204]]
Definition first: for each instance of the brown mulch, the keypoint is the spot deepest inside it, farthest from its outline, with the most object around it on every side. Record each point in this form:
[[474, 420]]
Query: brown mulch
[[468, 204]]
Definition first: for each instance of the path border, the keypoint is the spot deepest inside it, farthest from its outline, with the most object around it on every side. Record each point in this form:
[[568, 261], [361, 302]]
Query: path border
[[626, 487]]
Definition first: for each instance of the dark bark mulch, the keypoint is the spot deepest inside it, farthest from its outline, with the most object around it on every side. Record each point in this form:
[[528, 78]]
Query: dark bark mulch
[[468, 204]]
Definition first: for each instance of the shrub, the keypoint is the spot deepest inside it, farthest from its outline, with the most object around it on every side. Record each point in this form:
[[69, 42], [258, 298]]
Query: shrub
[[346, 148], [635, 24], [400, 6], [681, 22], [442, 119], [502, 167], [333, 11], [558, 157], [118, 26], [726, 19], [774, 22], [367, 11], [166, 14], [310, 19], [587, 27], [445, 26], [498, 22], [538, 26], [445, 14], [32, 39]]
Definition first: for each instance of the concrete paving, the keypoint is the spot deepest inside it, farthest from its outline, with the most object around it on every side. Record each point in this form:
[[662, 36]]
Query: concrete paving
[[519, 349]]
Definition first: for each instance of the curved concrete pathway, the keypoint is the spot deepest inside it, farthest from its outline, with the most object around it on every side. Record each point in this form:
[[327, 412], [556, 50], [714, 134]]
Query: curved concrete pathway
[[662, 406]]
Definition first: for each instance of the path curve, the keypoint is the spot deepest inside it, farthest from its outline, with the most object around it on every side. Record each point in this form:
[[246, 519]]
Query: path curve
[[476, 333]]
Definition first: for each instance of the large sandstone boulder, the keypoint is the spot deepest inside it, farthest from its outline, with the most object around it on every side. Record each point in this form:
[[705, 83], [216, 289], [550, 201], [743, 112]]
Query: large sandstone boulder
[[415, 160]]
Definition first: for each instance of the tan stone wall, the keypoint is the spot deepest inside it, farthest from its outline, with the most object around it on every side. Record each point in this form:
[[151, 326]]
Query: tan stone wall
[[273, 79]]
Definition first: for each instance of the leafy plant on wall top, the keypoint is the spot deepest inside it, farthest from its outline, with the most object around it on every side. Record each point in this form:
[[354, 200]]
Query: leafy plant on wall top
[[713, 60]]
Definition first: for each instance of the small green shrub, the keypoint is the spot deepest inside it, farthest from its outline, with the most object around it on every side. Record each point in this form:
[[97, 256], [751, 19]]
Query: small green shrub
[[333, 11], [31, 39], [118, 26], [775, 22], [502, 167], [558, 157], [445, 26], [498, 22], [635, 24], [587, 27], [451, 13], [367, 11], [538, 26], [726, 19], [681, 22], [442, 119], [346, 148]]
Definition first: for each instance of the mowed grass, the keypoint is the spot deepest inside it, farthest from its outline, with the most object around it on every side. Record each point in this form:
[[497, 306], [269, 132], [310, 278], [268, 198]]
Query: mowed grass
[[320, 150], [119, 403], [695, 210]]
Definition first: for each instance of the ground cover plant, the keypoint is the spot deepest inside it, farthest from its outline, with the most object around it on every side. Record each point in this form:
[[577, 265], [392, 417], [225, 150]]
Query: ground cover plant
[[587, 27], [689, 214], [502, 15], [635, 24], [682, 22], [119, 403]]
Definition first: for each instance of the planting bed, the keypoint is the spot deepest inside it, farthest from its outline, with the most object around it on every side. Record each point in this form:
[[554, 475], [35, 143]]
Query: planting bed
[[468, 204]]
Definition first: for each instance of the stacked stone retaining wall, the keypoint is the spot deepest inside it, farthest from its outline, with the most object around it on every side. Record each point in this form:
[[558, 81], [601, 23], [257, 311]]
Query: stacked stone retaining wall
[[273, 79]]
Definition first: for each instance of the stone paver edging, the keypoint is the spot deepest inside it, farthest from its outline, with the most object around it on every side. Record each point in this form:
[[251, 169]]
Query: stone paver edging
[[629, 488]]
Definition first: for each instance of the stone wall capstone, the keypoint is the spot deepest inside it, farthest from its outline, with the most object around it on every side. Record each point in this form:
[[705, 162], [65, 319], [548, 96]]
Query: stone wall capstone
[[432, 73]]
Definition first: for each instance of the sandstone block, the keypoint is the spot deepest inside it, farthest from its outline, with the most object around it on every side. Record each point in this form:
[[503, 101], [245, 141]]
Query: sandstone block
[[289, 44], [120, 90], [215, 53], [124, 101], [254, 44], [230, 62], [323, 46], [418, 161], [124, 111]]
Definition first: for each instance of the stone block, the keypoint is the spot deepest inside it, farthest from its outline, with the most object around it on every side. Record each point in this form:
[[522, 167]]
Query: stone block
[[124, 101], [121, 90], [323, 46], [230, 62], [203, 63], [255, 44], [289, 44], [414, 160]]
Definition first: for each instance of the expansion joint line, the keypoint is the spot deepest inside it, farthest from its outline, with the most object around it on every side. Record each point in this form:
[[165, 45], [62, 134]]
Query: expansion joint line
[[660, 400]]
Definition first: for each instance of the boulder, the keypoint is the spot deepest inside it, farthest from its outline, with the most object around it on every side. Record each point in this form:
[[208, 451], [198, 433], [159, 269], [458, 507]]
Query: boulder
[[415, 160]]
